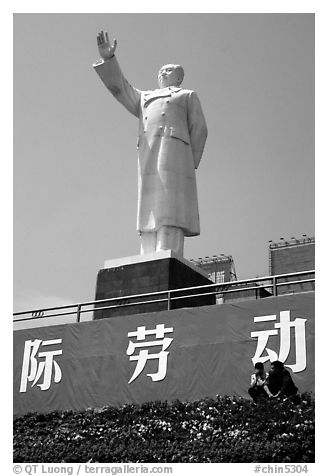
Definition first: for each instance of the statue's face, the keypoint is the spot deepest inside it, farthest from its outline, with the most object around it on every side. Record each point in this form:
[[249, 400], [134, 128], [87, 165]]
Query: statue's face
[[170, 75]]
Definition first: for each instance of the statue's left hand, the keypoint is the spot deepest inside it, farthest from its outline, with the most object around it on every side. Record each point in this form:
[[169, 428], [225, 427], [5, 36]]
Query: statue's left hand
[[106, 50]]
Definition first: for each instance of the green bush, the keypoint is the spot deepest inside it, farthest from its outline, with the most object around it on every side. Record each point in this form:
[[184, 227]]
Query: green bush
[[226, 430]]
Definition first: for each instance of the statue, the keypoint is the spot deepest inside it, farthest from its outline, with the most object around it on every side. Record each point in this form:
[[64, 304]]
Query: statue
[[172, 135]]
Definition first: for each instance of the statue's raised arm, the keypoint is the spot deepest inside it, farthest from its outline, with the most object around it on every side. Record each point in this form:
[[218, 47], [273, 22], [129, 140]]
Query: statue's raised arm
[[111, 75], [105, 49]]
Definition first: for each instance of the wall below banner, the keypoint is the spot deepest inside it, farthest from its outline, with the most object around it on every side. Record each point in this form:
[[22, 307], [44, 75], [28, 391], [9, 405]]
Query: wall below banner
[[183, 354]]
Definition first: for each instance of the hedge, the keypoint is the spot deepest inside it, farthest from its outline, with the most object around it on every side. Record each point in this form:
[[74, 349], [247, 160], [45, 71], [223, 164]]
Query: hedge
[[225, 430]]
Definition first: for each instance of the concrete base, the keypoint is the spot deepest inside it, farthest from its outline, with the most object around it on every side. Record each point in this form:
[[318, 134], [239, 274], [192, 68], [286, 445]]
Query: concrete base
[[147, 274]]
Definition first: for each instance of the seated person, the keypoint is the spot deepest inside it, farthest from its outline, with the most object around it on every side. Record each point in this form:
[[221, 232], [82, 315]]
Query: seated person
[[257, 382], [279, 382]]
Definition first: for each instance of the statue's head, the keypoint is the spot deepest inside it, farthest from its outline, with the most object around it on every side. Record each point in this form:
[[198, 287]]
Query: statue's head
[[170, 75]]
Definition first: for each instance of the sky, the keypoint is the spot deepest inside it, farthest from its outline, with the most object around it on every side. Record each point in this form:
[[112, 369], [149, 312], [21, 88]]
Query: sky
[[75, 158]]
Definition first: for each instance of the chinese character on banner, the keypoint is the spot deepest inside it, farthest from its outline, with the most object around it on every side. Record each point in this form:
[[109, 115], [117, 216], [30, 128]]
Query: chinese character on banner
[[38, 364], [283, 329], [143, 356]]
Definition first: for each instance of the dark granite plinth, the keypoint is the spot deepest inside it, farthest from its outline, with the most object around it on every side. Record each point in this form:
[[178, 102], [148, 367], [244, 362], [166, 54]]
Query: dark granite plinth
[[147, 277]]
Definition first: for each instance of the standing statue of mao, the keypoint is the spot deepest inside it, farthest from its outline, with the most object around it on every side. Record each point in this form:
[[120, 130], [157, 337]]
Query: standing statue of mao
[[171, 140]]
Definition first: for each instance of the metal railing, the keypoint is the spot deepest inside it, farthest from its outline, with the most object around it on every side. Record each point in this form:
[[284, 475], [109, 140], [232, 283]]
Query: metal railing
[[272, 283]]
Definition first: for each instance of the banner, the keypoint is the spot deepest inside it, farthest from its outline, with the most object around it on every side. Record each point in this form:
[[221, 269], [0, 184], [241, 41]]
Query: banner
[[184, 354]]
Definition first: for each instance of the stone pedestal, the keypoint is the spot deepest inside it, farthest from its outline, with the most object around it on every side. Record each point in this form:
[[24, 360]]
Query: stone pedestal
[[146, 274]]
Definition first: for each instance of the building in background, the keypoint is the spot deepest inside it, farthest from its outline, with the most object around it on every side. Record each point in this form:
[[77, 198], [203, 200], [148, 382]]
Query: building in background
[[220, 269], [292, 256]]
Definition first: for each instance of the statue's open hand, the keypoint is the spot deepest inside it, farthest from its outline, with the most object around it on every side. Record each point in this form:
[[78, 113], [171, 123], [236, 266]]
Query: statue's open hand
[[106, 50]]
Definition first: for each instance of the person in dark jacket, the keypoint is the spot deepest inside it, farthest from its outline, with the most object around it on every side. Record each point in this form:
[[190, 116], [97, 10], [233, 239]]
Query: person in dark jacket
[[258, 379], [279, 382]]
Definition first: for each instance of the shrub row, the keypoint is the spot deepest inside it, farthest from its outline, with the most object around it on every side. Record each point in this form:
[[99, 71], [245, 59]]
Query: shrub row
[[228, 429]]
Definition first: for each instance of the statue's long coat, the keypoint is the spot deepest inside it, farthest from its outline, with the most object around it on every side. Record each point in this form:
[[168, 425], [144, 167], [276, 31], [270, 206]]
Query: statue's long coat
[[172, 135]]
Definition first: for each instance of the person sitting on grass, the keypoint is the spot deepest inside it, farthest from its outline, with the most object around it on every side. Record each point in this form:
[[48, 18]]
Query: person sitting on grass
[[257, 382], [279, 382]]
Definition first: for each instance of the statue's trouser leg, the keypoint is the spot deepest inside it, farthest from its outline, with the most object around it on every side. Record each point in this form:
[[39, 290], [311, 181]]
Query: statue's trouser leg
[[170, 238], [148, 242]]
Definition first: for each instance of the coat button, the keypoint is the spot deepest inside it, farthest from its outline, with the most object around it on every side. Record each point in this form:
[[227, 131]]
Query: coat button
[[163, 113], [160, 127], [144, 130], [167, 100]]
